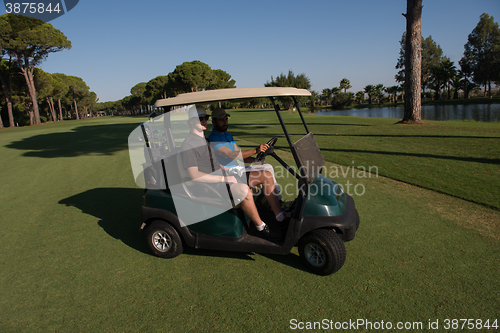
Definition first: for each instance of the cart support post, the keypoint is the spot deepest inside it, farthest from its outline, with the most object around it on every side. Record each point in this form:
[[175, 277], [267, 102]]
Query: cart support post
[[292, 149], [300, 113], [277, 110]]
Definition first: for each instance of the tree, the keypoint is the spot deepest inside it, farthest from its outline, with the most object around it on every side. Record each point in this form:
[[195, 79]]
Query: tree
[[457, 84], [44, 84], [442, 75], [438, 78], [326, 95], [342, 100], [6, 81], [291, 80], [189, 77], [220, 80], [139, 91], [28, 41], [432, 55], [400, 76], [77, 90], [482, 51], [413, 61], [6, 70], [60, 89], [369, 90], [89, 101], [156, 88], [360, 97], [379, 92], [345, 84], [313, 98], [392, 91], [449, 72], [466, 74]]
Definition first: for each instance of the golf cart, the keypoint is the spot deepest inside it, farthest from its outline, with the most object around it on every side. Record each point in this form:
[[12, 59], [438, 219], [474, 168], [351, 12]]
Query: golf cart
[[320, 219]]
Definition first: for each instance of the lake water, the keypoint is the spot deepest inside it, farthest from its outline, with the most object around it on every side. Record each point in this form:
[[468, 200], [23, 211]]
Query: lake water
[[477, 112]]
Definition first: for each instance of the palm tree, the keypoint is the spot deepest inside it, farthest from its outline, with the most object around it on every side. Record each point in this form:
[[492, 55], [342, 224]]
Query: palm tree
[[466, 74], [369, 90], [345, 84], [313, 98], [379, 91], [437, 82], [401, 90], [392, 93], [456, 82], [326, 94], [360, 96], [449, 72]]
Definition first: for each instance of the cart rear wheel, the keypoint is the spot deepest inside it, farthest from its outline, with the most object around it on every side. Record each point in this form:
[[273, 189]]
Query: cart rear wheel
[[163, 240], [322, 251]]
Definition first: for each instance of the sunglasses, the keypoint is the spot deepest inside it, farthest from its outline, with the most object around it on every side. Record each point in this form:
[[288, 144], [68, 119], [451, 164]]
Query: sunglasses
[[204, 117]]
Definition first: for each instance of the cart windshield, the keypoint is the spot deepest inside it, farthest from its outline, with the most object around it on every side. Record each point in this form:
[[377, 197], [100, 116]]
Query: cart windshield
[[310, 157], [160, 152]]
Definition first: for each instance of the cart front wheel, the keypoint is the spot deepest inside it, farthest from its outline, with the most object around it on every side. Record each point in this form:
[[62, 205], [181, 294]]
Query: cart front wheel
[[163, 240], [322, 251]]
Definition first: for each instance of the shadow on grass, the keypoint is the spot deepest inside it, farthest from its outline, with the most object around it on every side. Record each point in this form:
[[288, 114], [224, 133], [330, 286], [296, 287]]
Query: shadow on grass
[[443, 157], [291, 259], [83, 140], [118, 211]]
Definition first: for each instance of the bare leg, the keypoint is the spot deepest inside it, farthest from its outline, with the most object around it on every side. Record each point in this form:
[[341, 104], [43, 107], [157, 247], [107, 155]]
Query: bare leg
[[266, 179], [247, 204]]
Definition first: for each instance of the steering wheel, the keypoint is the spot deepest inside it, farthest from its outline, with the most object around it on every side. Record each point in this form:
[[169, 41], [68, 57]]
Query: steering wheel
[[261, 156]]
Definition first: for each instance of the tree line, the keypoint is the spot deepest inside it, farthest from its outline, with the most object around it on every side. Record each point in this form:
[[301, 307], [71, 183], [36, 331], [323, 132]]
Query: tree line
[[440, 78], [186, 77], [479, 66], [25, 42]]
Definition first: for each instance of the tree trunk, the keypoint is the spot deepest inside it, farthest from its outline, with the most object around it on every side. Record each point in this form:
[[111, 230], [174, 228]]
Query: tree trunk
[[54, 113], [51, 108], [8, 101], [28, 76], [7, 90], [76, 109], [60, 109], [413, 62]]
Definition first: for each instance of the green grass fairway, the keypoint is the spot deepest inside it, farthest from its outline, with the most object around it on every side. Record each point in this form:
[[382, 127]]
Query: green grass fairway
[[72, 258], [459, 158]]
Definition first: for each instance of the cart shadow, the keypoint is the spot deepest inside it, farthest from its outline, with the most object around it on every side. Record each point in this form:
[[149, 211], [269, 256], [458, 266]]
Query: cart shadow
[[291, 260], [118, 212], [219, 254]]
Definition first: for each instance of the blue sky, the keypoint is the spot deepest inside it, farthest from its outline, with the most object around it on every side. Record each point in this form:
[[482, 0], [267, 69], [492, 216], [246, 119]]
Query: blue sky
[[117, 44]]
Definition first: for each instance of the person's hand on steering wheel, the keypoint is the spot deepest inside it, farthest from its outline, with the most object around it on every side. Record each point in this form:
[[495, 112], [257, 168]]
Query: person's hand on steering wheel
[[269, 150], [262, 148]]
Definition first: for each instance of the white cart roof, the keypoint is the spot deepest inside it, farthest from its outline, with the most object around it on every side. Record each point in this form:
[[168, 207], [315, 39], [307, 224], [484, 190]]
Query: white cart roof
[[234, 94]]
